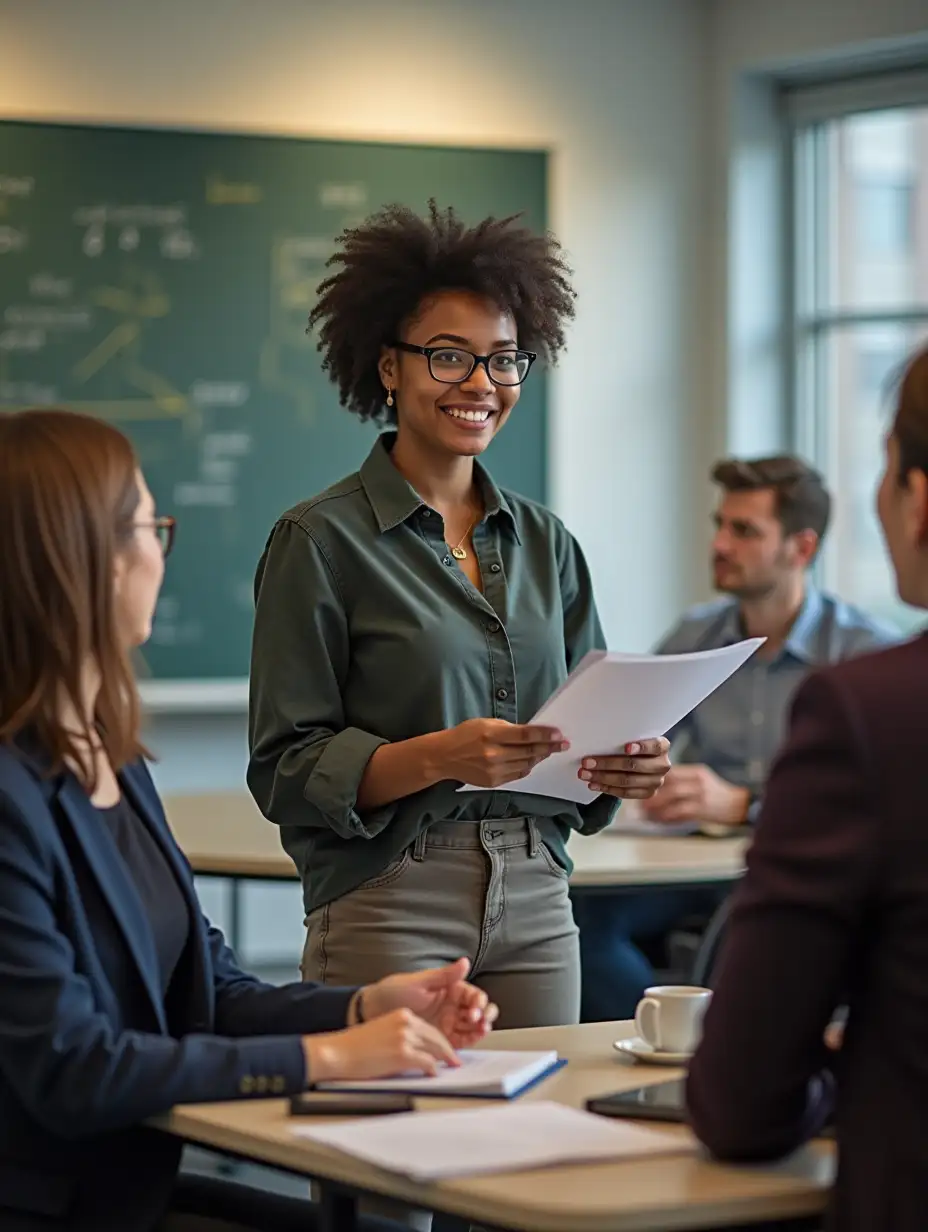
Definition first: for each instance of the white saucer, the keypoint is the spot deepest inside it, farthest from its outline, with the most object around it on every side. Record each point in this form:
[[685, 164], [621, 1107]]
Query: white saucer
[[641, 1050]]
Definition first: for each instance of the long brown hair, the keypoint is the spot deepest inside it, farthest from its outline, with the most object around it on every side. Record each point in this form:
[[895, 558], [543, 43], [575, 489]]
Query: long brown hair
[[68, 495]]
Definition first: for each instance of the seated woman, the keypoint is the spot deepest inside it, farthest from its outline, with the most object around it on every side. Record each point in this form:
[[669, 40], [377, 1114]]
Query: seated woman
[[834, 907], [117, 999]]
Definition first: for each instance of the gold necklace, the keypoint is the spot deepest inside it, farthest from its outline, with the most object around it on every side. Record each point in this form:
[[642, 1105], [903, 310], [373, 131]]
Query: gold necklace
[[460, 552]]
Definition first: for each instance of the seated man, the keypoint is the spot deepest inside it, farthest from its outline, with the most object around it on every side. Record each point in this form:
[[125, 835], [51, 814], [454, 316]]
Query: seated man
[[770, 522]]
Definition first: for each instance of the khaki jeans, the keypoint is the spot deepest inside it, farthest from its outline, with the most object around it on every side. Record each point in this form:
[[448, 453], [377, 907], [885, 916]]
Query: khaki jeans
[[489, 890]]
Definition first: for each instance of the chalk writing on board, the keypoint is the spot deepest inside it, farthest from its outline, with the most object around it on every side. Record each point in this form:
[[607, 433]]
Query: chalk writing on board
[[175, 240], [297, 267], [220, 191], [142, 392], [343, 196], [12, 240], [215, 487], [16, 185], [171, 627], [27, 393]]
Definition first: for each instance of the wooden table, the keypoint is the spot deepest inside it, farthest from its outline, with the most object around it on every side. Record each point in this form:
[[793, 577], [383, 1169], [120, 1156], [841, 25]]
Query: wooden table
[[672, 1192], [224, 835]]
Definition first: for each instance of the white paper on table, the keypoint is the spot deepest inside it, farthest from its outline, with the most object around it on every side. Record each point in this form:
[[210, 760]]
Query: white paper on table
[[431, 1146], [611, 699]]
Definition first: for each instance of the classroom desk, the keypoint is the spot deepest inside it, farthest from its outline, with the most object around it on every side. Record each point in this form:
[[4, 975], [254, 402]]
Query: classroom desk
[[644, 1196], [224, 835]]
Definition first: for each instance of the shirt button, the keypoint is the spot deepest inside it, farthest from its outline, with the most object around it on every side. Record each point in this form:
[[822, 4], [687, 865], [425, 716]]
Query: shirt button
[[493, 626], [426, 513], [446, 560], [502, 694], [495, 568]]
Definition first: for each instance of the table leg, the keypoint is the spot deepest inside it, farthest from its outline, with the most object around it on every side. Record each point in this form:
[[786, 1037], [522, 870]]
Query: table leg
[[338, 1211]]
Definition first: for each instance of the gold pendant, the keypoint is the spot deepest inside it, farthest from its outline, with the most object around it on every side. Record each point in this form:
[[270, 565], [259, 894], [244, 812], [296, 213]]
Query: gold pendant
[[459, 553]]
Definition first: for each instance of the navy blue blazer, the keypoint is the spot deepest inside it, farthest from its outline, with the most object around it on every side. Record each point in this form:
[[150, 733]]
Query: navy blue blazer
[[833, 908], [88, 1047]]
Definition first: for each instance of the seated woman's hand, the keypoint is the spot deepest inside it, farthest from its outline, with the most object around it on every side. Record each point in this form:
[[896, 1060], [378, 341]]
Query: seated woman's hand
[[390, 1044], [440, 996]]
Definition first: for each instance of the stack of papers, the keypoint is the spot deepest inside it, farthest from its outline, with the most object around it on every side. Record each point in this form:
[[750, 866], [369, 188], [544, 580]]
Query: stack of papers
[[610, 700], [494, 1075], [433, 1146]]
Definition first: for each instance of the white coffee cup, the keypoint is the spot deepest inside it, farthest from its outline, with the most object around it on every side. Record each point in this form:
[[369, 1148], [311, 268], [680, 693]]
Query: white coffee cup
[[669, 1016]]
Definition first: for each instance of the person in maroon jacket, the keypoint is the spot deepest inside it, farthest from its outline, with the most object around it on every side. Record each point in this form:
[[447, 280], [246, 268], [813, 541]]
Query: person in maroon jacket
[[834, 910]]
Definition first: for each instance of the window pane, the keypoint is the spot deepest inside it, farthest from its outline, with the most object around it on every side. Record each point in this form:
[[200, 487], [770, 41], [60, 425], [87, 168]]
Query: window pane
[[859, 366], [877, 211]]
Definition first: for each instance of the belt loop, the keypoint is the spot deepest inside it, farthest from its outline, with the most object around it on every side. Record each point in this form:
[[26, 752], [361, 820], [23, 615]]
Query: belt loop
[[418, 847], [532, 837]]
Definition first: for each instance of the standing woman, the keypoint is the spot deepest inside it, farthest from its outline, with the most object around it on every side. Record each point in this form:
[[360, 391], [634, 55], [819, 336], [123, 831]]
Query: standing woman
[[413, 617], [117, 999]]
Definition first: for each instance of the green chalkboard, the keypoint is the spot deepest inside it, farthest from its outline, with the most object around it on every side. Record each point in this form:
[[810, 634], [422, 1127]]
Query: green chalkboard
[[163, 280]]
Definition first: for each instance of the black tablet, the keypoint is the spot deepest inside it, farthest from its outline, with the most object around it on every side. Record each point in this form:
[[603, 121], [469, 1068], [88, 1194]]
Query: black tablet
[[663, 1101]]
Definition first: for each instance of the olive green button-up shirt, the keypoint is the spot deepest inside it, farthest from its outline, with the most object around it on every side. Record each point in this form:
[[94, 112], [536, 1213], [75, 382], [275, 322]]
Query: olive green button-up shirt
[[366, 632]]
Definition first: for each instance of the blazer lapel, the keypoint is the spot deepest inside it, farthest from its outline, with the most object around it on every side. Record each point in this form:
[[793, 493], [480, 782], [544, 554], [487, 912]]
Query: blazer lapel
[[116, 886]]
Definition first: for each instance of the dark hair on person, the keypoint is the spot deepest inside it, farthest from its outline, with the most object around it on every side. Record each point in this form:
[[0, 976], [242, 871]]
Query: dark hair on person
[[910, 424], [802, 500], [68, 496], [392, 262]]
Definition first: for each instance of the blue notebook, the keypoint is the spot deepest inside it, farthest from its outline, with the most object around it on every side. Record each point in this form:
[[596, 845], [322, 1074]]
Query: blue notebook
[[483, 1074]]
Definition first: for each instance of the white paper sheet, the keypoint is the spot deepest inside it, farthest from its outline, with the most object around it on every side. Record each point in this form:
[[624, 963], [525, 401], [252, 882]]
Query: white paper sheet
[[482, 1072], [611, 699], [431, 1146]]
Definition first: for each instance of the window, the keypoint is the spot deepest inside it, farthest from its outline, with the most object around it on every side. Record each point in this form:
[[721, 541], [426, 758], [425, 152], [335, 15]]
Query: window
[[859, 193]]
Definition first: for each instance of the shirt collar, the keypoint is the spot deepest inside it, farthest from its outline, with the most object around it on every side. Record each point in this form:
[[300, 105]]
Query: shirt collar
[[801, 642], [394, 500], [802, 639]]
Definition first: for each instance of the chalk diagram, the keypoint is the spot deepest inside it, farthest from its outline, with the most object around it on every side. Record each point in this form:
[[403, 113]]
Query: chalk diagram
[[133, 306]]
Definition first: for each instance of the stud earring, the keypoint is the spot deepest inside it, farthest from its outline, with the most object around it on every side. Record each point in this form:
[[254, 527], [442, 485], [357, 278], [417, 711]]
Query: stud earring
[[389, 397]]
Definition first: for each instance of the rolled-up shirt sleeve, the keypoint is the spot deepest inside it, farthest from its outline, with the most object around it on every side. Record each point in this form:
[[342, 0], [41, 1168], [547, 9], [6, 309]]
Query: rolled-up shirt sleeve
[[306, 762]]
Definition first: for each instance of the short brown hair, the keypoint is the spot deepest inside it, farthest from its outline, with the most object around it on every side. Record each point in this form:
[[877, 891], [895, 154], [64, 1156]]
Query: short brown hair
[[802, 501], [910, 426], [68, 495]]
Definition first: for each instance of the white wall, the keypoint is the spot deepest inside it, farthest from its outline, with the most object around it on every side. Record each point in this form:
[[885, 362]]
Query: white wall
[[754, 42], [615, 90]]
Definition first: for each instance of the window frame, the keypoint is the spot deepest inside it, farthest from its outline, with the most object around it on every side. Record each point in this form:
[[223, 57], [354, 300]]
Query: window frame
[[807, 110]]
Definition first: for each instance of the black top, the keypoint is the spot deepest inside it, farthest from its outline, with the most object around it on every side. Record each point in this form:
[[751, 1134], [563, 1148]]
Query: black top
[[156, 884]]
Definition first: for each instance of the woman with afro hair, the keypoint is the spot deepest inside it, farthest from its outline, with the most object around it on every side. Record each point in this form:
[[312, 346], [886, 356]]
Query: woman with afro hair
[[412, 618]]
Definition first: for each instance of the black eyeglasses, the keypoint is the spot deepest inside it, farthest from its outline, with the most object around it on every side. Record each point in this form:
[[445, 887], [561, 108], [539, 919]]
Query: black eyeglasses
[[164, 527], [451, 365]]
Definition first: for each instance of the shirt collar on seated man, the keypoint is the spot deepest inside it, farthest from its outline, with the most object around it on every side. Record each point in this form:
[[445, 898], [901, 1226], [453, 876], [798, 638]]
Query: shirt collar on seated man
[[802, 640], [394, 501]]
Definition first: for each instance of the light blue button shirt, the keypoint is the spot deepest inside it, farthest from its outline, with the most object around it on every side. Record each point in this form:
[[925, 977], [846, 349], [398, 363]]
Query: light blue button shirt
[[737, 730]]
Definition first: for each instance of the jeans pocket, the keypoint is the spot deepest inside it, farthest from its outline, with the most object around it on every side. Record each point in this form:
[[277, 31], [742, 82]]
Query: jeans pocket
[[553, 866], [391, 873]]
